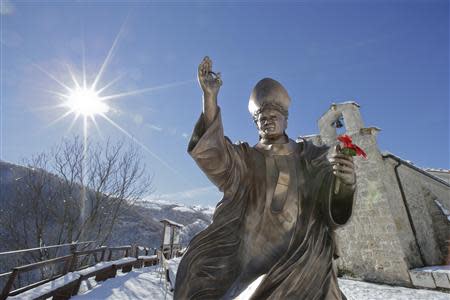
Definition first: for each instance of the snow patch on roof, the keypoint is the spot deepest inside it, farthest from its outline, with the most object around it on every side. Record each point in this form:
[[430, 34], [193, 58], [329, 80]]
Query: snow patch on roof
[[170, 222], [437, 170]]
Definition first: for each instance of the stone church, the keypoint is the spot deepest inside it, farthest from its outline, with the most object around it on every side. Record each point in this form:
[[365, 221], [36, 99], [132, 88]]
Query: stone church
[[400, 229]]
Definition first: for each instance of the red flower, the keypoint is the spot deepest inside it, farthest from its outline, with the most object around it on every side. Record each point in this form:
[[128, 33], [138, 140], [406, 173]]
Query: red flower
[[346, 140], [352, 148]]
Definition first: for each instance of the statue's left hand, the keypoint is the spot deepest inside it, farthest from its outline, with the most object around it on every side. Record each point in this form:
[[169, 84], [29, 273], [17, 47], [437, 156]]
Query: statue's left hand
[[343, 166]]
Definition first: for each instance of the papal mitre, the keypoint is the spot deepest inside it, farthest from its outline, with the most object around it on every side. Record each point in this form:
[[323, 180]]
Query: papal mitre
[[268, 91]]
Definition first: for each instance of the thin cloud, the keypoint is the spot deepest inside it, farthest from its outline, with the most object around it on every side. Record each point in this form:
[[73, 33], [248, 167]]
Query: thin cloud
[[154, 127], [168, 131]]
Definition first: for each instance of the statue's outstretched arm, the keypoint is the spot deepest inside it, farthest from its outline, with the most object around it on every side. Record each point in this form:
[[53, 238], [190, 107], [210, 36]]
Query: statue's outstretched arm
[[223, 162]]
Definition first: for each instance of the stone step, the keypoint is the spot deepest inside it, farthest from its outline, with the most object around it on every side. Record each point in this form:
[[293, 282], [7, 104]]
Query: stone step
[[431, 277]]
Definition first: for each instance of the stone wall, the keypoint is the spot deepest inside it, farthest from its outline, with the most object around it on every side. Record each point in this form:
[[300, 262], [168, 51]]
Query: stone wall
[[371, 246], [431, 224], [395, 227], [402, 221]]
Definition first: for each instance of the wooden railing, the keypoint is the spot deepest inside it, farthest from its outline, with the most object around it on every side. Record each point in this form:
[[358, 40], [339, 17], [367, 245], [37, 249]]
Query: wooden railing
[[17, 270], [101, 262], [8, 279]]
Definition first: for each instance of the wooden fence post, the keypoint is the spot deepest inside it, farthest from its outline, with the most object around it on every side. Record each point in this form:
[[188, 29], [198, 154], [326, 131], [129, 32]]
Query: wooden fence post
[[72, 262], [9, 284], [102, 258]]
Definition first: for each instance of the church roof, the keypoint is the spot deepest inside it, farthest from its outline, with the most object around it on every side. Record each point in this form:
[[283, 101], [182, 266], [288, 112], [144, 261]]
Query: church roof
[[412, 166]]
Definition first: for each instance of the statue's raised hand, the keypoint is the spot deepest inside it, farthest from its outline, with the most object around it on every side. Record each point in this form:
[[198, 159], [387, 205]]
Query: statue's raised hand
[[210, 82]]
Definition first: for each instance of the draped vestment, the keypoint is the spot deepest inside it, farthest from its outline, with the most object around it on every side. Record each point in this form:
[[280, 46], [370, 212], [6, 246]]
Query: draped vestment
[[277, 217]]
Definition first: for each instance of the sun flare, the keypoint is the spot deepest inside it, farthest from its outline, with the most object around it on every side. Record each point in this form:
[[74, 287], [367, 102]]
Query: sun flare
[[86, 102]]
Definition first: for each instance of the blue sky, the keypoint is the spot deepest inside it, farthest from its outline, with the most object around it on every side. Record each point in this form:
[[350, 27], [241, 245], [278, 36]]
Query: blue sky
[[392, 57]]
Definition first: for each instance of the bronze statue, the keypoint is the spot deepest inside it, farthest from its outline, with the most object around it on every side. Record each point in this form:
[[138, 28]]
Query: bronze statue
[[279, 209]]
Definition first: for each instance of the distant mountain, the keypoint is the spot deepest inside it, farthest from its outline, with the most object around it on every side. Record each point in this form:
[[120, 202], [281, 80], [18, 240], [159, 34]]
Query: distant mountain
[[138, 223]]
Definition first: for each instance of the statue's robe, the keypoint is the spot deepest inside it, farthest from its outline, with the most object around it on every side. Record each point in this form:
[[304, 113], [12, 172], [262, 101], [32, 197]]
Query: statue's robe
[[277, 217]]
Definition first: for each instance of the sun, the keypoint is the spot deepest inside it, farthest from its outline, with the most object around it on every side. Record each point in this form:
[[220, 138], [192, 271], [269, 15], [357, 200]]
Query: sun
[[86, 102]]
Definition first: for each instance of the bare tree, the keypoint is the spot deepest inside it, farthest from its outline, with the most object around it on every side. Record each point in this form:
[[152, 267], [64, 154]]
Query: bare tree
[[74, 192], [26, 216]]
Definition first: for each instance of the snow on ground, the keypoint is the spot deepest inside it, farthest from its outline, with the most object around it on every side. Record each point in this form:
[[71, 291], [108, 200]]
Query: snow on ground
[[47, 287], [436, 269], [358, 290], [138, 284], [173, 268], [145, 283]]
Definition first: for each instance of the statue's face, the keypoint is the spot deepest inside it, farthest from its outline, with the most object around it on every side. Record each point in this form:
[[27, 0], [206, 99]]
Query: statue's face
[[271, 124]]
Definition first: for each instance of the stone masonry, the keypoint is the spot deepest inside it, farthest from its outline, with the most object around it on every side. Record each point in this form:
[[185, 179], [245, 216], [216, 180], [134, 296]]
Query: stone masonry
[[398, 221]]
